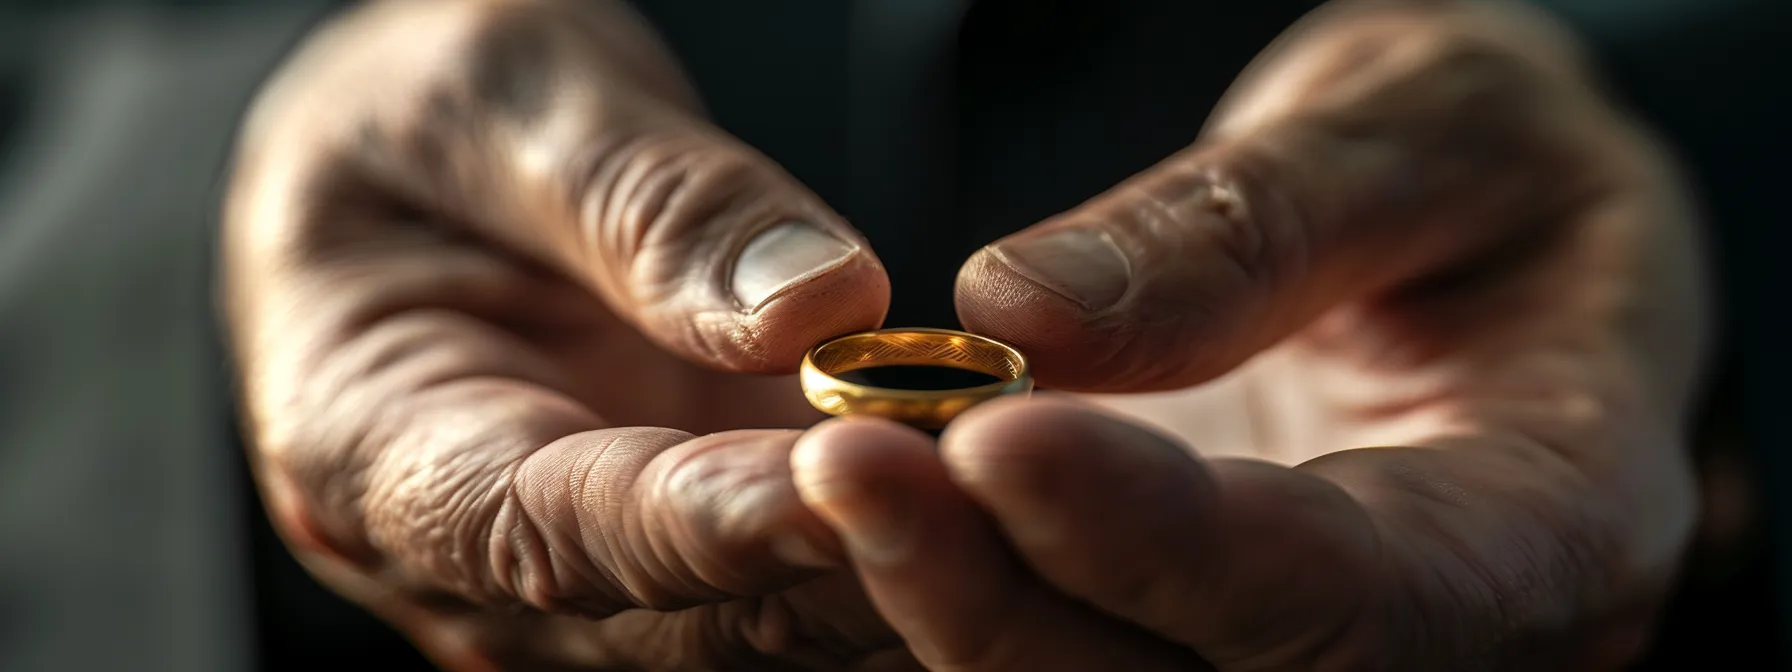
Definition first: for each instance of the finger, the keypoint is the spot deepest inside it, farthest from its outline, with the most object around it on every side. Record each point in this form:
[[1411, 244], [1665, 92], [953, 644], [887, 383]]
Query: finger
[[1234, 559], [937, 570], [562, 132], [604, 521], [477, 480], [1372, 150], [824, 624], [673, 520], [486, 497]]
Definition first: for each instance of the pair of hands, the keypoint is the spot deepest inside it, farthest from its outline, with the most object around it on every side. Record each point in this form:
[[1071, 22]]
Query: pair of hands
[[503, 303]]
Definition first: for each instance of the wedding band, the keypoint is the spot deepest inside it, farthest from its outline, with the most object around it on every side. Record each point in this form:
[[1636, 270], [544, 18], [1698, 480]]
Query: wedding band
[[927, 409]]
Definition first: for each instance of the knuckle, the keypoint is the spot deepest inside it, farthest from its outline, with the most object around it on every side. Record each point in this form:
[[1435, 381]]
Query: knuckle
[[528, 563], [624, 197], [440, 483], [660, 198], [1237, 236], [377, 464], [434, 520], [1238, 221], [680, 195], [1386, 70], [403, 82], [1453, 74], [548, 550], [1487, 75]]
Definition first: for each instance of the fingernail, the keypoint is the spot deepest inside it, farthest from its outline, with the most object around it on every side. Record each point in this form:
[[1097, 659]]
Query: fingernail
[[1081, 264], [783, 256], [875, 529]]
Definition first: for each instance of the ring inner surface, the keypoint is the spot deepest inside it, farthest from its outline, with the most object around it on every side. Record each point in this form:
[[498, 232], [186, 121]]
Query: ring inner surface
[[916, 349]]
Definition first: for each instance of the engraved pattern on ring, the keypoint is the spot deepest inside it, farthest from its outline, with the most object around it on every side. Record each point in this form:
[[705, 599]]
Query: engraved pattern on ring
[[920, 348]]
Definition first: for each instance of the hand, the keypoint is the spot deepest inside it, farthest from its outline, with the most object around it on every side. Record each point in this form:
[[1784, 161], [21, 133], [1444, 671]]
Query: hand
[[490, 275], [1444, 306]]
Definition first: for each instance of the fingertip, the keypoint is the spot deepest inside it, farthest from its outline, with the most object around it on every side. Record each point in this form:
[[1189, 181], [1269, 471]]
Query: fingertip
[[1061, 336], [1042, 465], [871, 480], [853, 447], [1006, 438], [849, 297]]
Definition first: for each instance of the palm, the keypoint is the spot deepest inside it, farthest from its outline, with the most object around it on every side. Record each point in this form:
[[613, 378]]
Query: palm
[[1356, 376], [1426, 379]]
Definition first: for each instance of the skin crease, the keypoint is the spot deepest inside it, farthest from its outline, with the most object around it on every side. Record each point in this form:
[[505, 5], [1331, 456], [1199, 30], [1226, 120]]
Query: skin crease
[[1408, 339]]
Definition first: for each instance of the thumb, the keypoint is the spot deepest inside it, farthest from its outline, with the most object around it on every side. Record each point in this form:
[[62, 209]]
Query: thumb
[[567, 134], [1382, 147], [717, 254]]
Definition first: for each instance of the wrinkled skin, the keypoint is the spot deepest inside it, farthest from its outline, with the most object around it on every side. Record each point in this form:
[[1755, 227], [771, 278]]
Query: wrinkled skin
[[1420, 317]]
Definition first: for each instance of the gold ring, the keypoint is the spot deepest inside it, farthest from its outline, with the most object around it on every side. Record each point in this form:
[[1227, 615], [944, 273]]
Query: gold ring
[[928, 409]]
